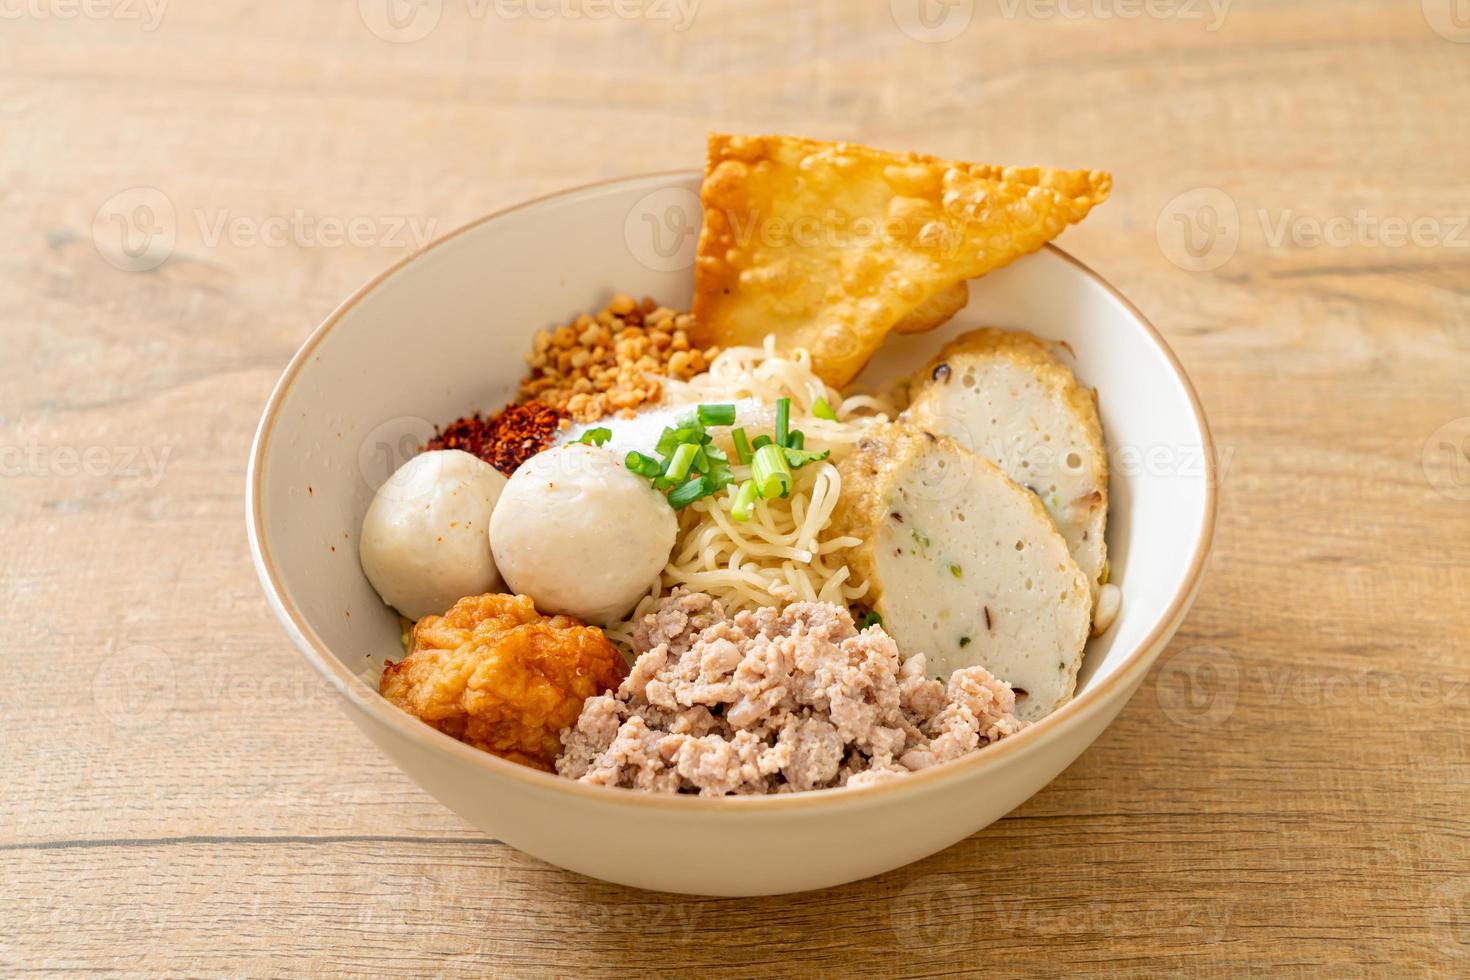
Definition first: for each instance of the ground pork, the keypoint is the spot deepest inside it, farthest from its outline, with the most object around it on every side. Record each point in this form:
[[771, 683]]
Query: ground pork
[[776, 701]]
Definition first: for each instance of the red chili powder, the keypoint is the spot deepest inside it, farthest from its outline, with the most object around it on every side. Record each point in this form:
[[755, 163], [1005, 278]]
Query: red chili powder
[[506, 439]]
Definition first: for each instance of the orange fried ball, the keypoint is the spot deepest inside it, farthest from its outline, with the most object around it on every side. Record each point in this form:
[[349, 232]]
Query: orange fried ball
[[498, 675]]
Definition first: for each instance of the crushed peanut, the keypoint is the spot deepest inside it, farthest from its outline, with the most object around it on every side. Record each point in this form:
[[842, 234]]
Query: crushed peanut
[[612, 361]]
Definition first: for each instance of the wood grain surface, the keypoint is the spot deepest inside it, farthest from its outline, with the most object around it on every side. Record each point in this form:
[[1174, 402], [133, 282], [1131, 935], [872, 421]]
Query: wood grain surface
[[1287, 793]]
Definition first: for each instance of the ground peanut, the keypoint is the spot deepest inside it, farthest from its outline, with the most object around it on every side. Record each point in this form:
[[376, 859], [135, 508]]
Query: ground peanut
[[612, 360]]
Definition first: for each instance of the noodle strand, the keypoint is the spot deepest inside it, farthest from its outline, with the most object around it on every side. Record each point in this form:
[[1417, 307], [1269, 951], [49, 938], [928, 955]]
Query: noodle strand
[[785, 552]]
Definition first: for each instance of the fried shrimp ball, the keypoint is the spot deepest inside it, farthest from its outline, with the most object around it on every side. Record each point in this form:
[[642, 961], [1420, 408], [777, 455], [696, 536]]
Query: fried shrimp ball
[[496, 674]]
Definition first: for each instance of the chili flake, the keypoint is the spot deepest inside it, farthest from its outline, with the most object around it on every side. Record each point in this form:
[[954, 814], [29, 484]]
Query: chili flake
[[506, 439]]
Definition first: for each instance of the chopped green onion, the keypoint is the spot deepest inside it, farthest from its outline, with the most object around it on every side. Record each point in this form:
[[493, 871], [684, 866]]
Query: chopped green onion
[[595, 437], [672, 439], [872, 619], [719, 476], [687, 493], [822, 410], [716, 468], [742, 446], [964, 642], [761, 441], [771, 472], [668, 441], [681, 461], [797, 458], [956, 571], [645, 466], [783, 420], [715, 414], [744, 502], [796, 439]]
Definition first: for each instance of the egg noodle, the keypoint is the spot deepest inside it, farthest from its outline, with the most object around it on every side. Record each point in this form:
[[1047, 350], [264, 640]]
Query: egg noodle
[[785, 552]]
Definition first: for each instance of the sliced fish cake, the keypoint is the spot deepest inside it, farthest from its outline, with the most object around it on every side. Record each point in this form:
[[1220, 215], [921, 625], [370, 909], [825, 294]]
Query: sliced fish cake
[[964, 566], [1004, 395]]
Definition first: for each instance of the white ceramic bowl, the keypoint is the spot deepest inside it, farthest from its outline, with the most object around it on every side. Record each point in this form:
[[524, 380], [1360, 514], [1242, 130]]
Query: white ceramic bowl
[[443, 333]]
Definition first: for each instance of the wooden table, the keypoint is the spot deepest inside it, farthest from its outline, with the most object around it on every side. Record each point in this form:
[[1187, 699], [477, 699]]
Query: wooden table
[[1286, 794]]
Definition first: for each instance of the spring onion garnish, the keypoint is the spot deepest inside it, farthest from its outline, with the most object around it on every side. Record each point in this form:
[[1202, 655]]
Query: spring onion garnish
[[681, 462], [797, 458], [672, 439], [771, 472], [716, 466], [645, 466], [872, 619], [595, 437], [822, 410], [742, 446], [744, 504], [715, 414], [687, 464], [783, 420], [687, 493], [956, 571]]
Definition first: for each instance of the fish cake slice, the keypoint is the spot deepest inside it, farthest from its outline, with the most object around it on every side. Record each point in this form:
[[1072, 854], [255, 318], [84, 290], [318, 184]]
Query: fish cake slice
[[963, 565], [1006, 396]]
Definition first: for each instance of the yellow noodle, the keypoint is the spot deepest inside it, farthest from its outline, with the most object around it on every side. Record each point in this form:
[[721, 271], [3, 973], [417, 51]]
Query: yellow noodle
[[782, 554]]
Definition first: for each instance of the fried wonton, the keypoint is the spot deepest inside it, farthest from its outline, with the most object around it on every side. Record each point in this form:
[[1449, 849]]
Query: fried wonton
[[831, 245], [935, 311]]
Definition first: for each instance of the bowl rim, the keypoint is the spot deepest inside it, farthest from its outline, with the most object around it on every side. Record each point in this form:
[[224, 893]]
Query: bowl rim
[[371, 703]]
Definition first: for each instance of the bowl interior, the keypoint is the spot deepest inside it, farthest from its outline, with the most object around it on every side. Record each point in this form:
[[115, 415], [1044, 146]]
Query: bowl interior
[[445, 333]]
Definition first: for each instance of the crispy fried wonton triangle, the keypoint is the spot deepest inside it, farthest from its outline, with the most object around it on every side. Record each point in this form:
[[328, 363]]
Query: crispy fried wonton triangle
[[831, 245]]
